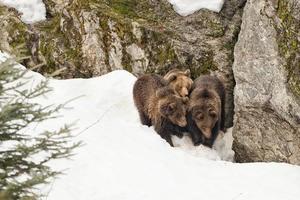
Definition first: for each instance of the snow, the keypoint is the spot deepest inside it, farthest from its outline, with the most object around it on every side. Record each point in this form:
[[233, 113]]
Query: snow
[[122, 159], [187, 7], [32, 10]]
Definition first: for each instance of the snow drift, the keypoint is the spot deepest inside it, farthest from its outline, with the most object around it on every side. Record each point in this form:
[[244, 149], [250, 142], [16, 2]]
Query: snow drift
[[122, 159], [187, 7]]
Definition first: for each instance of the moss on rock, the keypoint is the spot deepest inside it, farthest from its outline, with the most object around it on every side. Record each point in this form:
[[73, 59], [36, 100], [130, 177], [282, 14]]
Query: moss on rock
[[289, 44], [17, 32], [161, 37], [205, 66]]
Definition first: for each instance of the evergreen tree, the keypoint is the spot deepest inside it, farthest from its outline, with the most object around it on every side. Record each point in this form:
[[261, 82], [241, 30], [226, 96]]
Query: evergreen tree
[[20, 170]]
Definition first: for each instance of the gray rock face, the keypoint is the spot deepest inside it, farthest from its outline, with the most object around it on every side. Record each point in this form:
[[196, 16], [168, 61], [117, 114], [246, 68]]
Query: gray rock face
[[90, 38], [267, 106]]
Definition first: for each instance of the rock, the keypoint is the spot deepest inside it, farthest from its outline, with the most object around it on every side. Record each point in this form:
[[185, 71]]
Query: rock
[[267, 74], [138, 58], [13, 32], [90, 38]]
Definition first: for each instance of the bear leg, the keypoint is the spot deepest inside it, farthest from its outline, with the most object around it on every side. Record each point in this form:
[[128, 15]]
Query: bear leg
[[145, 120], [168, 139]]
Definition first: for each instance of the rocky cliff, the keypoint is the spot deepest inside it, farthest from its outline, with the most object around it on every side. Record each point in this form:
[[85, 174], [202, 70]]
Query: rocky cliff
[[91, 37], [267, 74]]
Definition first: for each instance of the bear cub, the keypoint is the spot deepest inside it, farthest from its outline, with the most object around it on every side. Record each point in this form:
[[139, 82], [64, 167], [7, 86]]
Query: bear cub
[[206, 110], [179, 81], [159, 105]]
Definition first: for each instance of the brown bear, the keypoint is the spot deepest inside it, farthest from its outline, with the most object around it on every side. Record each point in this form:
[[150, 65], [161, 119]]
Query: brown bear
[[206, 110], [180, 81], [160, 106]]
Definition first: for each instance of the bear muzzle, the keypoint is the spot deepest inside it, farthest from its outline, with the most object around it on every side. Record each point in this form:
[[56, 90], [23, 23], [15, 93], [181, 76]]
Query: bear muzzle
[[184, 92], [182, 122], [206, 132]]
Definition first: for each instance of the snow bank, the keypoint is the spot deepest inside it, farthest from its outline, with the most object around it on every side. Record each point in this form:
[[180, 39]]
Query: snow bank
[[122, 159], [187, 7], [32, 10]]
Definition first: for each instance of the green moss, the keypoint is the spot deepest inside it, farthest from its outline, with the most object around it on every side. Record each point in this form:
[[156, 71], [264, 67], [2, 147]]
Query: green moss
[[2, 10], [289, 44], [53, 25], [106, 36], [216, 27], [126, 61], [160, 50], [206, 65], [229, 45], [47, 45], [47, 50], [166, 54], [124, 7], [18, 34], [60, 47], [74, 55]]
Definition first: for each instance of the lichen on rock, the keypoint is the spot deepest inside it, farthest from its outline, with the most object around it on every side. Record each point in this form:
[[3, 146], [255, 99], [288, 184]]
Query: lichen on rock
[[289, 41], [267, 113], [13, 32]]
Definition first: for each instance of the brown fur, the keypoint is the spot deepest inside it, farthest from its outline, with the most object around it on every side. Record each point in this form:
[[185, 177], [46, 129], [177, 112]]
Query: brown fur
[[160, 106], [180, 81], [206, 109]]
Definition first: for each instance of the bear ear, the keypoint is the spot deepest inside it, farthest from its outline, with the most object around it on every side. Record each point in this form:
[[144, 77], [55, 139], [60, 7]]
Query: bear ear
[[171, 78], [167, 109], [187, 72]]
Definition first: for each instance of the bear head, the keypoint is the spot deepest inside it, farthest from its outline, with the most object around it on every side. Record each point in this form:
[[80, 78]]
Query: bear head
[[205, 109], [179, 81], [172, 106]]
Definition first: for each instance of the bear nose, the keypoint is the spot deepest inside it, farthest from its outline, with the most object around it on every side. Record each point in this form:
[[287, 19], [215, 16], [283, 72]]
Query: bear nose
[[206, 132], [183, 122]]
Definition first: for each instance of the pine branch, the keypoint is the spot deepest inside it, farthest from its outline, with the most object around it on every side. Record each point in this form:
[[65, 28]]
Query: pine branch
[[20, 170]]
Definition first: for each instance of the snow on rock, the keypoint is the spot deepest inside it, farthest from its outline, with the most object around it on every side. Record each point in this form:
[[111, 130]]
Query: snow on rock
[[187, 7], [32, 10], [122, 159]]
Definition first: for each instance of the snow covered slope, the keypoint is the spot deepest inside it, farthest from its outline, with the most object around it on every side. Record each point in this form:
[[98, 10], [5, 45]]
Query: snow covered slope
[[187, 7], [123, 160]]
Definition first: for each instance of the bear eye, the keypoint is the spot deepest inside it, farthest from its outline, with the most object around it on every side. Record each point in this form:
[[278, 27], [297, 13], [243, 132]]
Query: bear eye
[[213, 114], [168, 109], [172, 107], [177, 87], [199, 116]]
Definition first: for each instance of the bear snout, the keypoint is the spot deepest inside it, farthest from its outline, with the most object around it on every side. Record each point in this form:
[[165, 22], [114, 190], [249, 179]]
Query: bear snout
[[205, 128], [182, 122], [184, 92], [206, 132]]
